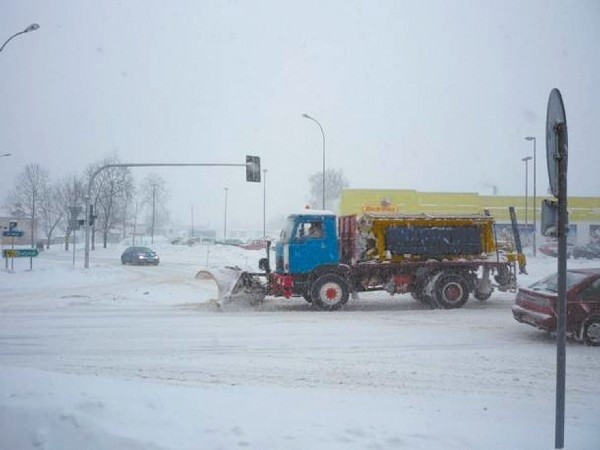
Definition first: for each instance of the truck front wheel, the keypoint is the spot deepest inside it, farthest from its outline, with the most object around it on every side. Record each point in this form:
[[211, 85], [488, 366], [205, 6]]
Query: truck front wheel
[[329, 292], [451, 291]]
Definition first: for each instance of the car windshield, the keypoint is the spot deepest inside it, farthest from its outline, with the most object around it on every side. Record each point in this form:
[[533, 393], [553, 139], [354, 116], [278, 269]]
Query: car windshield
[[550, 283]]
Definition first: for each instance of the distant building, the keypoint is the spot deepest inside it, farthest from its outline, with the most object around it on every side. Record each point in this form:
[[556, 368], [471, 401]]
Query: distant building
[[584, 212]]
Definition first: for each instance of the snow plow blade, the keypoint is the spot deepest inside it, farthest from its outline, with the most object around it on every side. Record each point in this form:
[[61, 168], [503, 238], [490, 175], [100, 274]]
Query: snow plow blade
[[235, 286]]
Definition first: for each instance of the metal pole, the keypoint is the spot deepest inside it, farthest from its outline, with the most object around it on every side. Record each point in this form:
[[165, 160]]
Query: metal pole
[[265, 204], [225, 219], [323, 133], [192, 219], [562, 289], [526, 184], [534, 200], [526, 159], [532, 138], [153, 210], [135, 223], [32, 226]]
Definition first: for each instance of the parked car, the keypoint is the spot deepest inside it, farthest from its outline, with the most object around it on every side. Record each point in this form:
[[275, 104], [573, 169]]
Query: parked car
[[589, 251], [234, 242], [536, 305], [551, 248], [139, 255]]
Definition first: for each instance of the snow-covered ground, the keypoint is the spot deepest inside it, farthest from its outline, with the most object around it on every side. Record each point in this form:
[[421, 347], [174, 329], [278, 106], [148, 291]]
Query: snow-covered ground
[[142, 358]]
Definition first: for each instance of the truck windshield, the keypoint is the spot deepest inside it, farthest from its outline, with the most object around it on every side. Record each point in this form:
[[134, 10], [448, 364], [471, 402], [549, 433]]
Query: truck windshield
[[287, 231]]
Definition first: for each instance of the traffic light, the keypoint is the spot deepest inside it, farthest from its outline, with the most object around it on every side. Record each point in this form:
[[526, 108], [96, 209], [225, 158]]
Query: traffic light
[[253, 168], [92, 218]]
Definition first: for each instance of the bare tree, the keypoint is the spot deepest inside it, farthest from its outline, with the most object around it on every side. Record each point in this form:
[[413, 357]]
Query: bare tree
[[112, 187], [31, 184], [50, 210], [335, 181]]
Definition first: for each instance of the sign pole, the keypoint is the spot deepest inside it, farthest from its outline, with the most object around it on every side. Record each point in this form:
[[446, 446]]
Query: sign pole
[[74, 243], [562, 288], [557, 156]]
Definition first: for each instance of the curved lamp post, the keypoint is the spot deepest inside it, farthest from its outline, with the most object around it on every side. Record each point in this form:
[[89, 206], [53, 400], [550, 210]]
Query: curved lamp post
[[32, 27], [306, 116], [532, 138]]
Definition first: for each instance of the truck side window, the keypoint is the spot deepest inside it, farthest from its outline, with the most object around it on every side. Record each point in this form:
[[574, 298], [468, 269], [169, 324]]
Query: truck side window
[[308, 230], [315, 230]]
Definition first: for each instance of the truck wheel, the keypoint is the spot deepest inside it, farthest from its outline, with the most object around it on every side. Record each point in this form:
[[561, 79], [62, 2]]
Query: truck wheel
[[591, 335], [329, 292], [451, 291]]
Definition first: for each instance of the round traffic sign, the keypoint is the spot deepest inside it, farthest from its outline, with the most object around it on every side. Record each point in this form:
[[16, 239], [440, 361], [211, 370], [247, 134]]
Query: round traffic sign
[[556, 134]]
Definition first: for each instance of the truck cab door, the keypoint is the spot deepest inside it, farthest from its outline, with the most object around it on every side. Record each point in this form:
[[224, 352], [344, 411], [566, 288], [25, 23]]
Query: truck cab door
[[314, 243]]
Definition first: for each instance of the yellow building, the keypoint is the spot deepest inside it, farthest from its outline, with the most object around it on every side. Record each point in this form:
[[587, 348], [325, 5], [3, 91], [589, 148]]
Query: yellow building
[[584, 212]]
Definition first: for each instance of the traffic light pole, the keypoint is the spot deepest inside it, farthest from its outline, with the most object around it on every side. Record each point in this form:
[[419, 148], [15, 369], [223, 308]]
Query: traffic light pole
[[249, 164]]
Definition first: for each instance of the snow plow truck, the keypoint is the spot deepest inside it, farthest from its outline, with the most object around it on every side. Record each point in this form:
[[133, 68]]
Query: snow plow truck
[[441, 260]]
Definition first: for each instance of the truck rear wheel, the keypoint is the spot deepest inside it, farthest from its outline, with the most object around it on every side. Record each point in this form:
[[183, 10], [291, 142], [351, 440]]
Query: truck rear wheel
[[451, 291], [329, 292]]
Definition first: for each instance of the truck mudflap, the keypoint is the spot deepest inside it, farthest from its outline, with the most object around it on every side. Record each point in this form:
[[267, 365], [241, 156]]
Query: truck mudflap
[[235, 286]]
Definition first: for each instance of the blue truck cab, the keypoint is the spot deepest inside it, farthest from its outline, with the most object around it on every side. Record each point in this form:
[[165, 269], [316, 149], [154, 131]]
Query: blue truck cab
[[308, 240]]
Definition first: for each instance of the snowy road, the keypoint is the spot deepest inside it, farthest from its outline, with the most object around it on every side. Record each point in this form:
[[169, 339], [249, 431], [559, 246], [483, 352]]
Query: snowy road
[[159, 325]]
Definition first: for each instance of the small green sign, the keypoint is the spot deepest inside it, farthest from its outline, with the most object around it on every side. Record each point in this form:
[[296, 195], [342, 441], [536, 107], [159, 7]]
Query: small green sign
[[20, 253]]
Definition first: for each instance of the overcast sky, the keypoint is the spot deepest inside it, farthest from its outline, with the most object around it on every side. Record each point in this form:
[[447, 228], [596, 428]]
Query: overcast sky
[[426, 95]]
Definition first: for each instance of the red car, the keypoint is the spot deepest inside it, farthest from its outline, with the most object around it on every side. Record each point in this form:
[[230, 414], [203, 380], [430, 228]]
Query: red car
[[536, 305]]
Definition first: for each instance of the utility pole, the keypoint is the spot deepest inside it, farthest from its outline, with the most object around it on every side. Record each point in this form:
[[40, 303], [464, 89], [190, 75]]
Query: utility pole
[[225, 220], [153, 209]]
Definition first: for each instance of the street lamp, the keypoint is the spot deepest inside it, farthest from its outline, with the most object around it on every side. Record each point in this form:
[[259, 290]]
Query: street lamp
[[532, 138], [526, 159], [225, 221], [264, 203], [153, 210], [306, 116], [32, 27]]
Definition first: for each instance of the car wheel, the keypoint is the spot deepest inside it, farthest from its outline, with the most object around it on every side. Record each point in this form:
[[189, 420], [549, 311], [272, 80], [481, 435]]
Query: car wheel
[[122, 260], [330, 292], [591, 333], [451, 291]]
